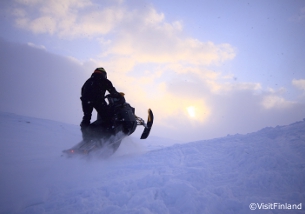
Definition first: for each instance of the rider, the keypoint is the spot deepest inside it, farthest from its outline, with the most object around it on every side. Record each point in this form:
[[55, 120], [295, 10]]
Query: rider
[[92, 96]]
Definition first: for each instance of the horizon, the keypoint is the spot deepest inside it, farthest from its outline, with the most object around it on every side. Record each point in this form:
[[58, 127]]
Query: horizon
[[138, 131]]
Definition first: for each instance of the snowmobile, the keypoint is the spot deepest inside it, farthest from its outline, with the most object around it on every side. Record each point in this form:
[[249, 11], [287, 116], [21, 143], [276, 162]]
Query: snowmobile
[[105, 138]]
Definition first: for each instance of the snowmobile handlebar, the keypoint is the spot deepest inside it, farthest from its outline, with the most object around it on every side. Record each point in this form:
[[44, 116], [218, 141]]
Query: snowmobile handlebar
[[115, 100]]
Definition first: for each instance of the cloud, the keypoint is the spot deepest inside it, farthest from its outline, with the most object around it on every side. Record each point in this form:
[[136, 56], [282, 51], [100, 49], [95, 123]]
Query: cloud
[[232, 108], [142, 35], [237, 111], [300, 84], [272, 101], [145, 37], [42, 47], [66, 19]]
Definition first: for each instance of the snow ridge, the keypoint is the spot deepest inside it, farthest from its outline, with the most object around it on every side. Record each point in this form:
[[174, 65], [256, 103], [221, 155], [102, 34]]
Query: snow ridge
[[223, 175]]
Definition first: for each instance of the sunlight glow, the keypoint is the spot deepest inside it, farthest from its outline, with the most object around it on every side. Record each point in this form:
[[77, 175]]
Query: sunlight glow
[[191, 111]]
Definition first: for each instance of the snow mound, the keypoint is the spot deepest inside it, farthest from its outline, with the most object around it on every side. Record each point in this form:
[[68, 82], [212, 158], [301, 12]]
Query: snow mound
[[223, 175]]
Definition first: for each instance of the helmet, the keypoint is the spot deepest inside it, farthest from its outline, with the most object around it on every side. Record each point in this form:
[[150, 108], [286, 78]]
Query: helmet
[[101, 70]]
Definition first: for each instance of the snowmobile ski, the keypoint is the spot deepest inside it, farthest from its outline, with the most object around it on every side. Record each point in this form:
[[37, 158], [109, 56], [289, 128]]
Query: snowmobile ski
[[148, 125]]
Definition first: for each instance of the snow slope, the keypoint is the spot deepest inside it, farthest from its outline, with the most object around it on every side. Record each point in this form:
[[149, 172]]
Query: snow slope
[[223, 175]]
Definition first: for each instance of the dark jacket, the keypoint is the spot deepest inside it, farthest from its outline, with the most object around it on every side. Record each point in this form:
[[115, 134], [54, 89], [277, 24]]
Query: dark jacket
[[92, 95]]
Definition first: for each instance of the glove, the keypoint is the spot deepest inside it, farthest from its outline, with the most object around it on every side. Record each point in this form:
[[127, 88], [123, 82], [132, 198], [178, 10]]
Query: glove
[[121, 99]]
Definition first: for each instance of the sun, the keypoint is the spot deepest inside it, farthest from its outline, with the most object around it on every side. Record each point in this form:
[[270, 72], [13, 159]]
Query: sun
[[191, 111]]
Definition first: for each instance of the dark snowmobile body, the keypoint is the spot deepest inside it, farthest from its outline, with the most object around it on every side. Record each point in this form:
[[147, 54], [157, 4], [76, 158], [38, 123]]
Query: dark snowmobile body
[[123, 120], [101, 135]]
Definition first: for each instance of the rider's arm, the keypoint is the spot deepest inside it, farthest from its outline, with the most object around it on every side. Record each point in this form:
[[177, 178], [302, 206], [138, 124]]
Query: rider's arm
[[113, 91]]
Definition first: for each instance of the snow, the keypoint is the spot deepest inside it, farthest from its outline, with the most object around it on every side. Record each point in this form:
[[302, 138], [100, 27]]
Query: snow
[[157, 175]]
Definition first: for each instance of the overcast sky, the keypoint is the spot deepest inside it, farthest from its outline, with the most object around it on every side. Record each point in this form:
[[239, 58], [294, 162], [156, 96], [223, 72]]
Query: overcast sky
[[205, 68]]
